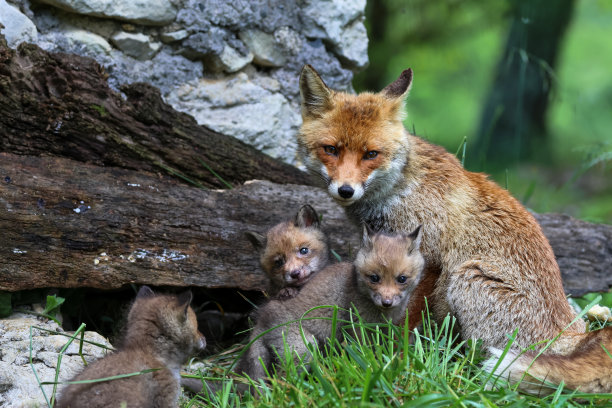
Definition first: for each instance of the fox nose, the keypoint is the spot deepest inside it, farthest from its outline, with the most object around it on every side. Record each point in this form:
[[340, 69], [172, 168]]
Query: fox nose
[[387, 302], [295, 273], [346, 191]]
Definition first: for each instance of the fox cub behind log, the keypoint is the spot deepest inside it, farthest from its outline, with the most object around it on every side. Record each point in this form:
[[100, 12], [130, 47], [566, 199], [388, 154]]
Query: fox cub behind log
[[378, 284], [292, 252], [161, 334]]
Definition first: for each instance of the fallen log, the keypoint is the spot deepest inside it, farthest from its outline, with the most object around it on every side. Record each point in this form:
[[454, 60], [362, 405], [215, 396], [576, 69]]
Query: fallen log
[[66, 224], [61, 105], [71, 224]]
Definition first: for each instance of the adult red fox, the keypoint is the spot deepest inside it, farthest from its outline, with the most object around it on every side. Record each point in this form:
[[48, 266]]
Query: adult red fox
[[494, 269]]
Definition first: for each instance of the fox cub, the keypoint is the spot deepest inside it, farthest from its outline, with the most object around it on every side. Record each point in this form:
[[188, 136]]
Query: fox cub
[[292, 252], [378, 284], [161, 334], [491, 265]]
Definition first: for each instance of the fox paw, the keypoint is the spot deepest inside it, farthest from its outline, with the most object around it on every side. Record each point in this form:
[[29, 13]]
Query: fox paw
[[287, 293]]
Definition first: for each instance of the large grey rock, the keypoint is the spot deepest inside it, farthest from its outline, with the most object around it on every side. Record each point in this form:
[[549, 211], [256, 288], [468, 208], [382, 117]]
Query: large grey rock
[[153, 12], [250, 110], [18, 384], [215, 39], [17, 27]]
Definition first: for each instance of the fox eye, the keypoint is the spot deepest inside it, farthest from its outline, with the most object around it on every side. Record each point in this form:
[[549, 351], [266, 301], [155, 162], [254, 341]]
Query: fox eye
[[370, 155], [374, 278], [331, 150], [401, 279], [279, 262], [303, 250]]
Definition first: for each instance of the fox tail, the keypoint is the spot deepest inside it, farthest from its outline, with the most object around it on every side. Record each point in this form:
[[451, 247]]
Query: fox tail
[[587, 368]]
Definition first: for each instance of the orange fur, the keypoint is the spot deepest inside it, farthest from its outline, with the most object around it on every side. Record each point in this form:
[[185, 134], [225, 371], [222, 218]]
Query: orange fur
[[490, 265]]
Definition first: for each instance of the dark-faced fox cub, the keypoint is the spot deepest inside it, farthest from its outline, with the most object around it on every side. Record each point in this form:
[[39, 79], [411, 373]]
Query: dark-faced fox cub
[[161, 334]]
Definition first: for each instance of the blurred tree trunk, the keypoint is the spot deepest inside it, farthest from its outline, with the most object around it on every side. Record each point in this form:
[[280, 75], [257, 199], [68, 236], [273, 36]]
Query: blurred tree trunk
[[377, 18], [513, 124]]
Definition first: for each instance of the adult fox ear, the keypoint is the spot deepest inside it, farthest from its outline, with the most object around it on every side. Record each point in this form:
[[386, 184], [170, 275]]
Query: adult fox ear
[[144, 292], [416, 237], [307, 217], [315, 96], [257, 240], [400, 87]]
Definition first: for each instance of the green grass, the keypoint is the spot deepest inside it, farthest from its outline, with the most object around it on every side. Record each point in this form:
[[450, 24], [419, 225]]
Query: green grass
[[378, 369], [379, 366]]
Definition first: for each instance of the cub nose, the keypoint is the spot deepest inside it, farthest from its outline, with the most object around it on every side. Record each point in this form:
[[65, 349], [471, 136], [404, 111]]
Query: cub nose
[[387, 302], [201, 342], [345, 191], [295, 273]]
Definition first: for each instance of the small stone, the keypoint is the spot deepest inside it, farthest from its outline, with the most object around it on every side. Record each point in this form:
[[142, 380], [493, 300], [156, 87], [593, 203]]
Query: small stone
[[232, 60], [138, 46], [599, 313], [264, 47], [174, 36], [93, 43], [17, 27]]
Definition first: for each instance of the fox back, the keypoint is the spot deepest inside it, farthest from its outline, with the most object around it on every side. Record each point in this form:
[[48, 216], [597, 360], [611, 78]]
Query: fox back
[[292, 252], [161, 333]]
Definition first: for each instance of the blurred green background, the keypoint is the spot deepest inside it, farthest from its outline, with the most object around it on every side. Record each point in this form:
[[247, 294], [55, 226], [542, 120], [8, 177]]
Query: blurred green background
[[527, 84]]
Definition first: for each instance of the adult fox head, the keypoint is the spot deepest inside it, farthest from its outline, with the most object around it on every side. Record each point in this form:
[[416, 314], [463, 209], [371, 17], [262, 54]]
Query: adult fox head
[[355, 143], [389, 267]]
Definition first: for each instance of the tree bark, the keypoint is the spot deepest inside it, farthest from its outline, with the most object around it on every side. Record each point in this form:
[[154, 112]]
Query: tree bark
[[70, 224], [61, 105]]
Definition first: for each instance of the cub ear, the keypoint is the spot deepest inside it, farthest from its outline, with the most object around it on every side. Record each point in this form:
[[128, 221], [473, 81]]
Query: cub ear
[[257, 240], [145, 292], [400, 87], [315, 96], [184, 300], [416, 237], [366, 237], [307, 217]]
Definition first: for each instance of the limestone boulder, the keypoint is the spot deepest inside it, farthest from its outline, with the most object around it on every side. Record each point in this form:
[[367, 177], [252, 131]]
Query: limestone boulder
[[23, 334]]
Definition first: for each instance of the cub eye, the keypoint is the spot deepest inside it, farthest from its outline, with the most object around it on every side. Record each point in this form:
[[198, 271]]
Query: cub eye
[[330, 150], [279, 262], [303, 250], [370, 155], [374, 278], [401, 279]]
